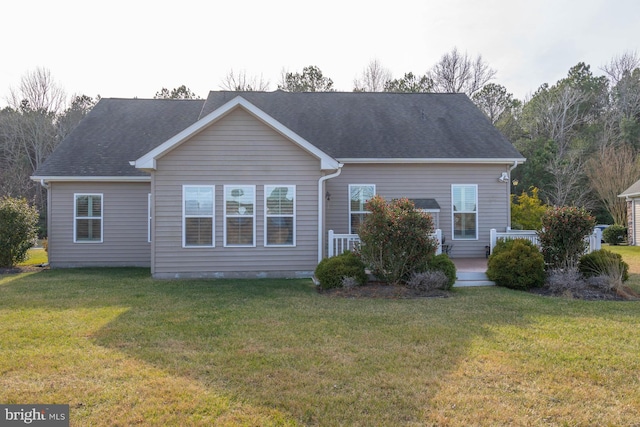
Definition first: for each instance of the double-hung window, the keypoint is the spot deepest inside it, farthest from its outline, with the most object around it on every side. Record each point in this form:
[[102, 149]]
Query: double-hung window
[[280, 215], [239, 215], [198, 215], [359, 195], [464, 201], [87, 223]]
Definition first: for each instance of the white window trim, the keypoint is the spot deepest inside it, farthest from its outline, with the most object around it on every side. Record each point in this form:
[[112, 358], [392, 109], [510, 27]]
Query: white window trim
[[149, 218], [224, 225], [76, 217], [294, 216], [349, 201], [212, 216], [476, 212]]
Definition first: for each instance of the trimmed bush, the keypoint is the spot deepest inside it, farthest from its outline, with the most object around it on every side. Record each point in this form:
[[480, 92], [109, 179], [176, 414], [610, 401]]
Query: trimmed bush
[[333, 272], [563, 234], [18, 230], [614, 234], [604, 263], [444, 264], [516, 264], [395, 239]]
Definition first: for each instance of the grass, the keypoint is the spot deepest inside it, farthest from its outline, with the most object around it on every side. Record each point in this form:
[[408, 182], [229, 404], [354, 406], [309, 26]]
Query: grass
[[123, 349], [36, 257]]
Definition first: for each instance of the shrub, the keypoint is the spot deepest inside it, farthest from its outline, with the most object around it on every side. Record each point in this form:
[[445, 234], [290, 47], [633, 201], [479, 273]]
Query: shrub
[[395, 239], [516, 264], [527, 211], [428, 281], [614, 234], [604, 263], [18, 230], [333, 272], [567, 281], [563, 236], [444, 264]]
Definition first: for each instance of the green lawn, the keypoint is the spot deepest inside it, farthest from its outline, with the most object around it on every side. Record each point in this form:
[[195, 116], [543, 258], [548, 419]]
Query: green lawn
[[123, 349]]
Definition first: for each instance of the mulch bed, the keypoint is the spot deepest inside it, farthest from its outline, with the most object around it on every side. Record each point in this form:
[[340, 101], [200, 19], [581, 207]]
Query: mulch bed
[[588, 293], [23, 269], [382, 290]]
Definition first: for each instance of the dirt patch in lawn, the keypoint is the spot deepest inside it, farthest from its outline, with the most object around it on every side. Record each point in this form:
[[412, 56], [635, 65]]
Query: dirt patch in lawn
[[382, 290]]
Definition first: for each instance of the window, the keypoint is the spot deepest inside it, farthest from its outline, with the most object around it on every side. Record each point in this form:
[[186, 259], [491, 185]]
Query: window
[[87, 224], [464, 200], [239, 215], [280, 215], [149, 217], [359, 195], [198, 215]]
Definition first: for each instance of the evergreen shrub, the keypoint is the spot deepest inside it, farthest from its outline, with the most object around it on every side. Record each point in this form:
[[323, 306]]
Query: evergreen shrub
[[516, 264], [332, 272]]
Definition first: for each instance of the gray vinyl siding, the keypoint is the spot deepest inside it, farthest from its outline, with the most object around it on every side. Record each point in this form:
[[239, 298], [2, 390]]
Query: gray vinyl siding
[[124, 230], [238, 149], [427, 181]]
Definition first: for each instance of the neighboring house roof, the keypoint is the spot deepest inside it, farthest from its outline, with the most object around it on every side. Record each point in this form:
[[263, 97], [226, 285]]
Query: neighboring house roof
[[117, 131], [633, 191], [346, 126]]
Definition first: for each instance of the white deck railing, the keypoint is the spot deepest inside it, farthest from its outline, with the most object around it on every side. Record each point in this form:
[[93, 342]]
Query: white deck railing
[[338, 243], [595, 239]]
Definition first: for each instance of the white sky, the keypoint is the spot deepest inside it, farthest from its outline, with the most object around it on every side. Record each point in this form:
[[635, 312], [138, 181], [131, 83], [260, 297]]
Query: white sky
[[134, 48]]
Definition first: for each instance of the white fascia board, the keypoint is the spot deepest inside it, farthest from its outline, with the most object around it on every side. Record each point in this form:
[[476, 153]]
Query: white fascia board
[[403, 160], [629, 195], [91, 178], [147, 162]]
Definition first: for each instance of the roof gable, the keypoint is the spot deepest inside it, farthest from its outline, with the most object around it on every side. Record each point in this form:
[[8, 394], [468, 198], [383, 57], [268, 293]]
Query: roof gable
[[384, 127], [148, 161]]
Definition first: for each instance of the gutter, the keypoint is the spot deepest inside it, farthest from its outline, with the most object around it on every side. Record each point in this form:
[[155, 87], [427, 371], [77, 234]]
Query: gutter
[[321, 209]]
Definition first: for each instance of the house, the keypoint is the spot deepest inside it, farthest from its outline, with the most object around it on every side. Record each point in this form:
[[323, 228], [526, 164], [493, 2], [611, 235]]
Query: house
[[632, 197], [249, 183]]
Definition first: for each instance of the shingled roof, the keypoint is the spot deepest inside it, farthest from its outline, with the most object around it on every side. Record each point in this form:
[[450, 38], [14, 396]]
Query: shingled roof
[[344, 125], [350, 125], [117, 131]]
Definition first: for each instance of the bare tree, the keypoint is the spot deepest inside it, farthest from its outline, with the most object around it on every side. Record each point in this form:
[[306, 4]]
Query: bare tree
[[240, 82], [373, 78], [38, 92], [610, 171], [567, 186], [621, 66], [28, 132], [459, 73]]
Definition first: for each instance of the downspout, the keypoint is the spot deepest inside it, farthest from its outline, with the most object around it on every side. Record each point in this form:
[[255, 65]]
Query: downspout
[[321, 209], [47, 186], [515, 164]]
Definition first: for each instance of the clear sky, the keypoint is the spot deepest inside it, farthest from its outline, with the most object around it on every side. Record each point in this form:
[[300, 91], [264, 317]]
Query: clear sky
[[134, 48]]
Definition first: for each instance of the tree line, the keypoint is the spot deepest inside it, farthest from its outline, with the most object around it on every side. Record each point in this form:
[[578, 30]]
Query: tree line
[[580, 135]]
